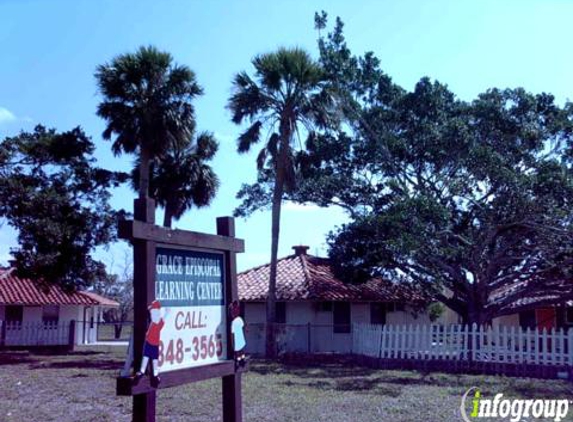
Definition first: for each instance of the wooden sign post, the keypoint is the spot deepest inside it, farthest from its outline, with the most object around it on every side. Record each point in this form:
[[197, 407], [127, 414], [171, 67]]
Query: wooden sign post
[[192, 277]]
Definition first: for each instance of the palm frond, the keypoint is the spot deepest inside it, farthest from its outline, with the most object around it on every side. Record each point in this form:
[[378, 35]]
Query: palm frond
[[247, 100], [147, 101], [249, 137], [262, 158], [207, 145]]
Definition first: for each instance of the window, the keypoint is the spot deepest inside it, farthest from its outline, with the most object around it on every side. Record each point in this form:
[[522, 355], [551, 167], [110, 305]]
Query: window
[[378, 313], [527, 319], [324, 306], [14, 313], [569, 315], [50, 314], [281, 313], [341, 317]]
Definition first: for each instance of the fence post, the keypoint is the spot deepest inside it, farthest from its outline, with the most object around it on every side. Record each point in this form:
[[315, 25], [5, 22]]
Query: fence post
[[562, 356], [351, 337], [474, 344], [308, 338], [381, 353], [72, 334], [570, 347]]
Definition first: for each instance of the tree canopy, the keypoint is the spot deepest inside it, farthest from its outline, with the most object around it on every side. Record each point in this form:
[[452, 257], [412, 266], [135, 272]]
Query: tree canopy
[[182, 178], [52, 193]]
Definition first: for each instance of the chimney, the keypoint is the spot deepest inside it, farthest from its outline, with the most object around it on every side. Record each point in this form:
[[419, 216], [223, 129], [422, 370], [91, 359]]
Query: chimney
[[300, 250]]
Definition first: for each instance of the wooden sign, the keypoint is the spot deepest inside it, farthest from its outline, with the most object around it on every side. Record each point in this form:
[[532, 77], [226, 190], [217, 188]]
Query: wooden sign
[[184, 282]]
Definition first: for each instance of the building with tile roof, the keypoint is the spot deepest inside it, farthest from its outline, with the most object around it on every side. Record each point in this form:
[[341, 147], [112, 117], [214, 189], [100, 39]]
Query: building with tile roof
[[311, 297], [35, 314], [315, 310]]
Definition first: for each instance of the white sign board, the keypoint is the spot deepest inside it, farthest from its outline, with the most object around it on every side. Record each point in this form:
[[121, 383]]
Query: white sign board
[[190, 287]]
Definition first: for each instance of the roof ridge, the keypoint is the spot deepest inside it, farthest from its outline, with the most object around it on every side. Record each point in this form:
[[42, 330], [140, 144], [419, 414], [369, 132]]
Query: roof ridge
[[306, 271], [97, 298], [258, 267]]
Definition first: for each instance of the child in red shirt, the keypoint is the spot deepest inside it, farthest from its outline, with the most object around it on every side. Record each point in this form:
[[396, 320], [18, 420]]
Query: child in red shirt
[[151, 346]]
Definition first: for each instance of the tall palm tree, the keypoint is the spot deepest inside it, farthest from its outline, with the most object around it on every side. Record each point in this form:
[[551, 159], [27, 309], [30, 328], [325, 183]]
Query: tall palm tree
[[181, 178], [284, 97], [147, 105]]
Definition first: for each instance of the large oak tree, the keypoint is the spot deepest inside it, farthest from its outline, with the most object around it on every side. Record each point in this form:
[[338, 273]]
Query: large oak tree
[[472, 201]]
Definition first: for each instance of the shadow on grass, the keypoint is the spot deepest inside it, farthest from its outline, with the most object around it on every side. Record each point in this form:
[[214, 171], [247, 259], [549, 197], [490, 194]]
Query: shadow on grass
[[15, 358], [347, 370], [527, 392], [99, 364], [346, 376], [359, 385], [263, 367]]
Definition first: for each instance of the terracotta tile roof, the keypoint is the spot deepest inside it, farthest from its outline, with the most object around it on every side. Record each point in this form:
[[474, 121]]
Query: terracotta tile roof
[[23, 291], [307, 277], [548, 299], [101, 300]]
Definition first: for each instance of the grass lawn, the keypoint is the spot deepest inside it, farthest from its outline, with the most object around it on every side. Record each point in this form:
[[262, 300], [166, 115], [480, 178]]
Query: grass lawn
[[106, 332], [81, 387]]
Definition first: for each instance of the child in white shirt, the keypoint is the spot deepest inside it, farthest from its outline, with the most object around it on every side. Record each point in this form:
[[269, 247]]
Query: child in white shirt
[[238, 333]]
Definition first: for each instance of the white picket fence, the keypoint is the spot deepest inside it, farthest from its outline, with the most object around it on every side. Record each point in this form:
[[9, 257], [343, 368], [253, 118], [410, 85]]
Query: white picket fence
[[34, 333], [464, 343]]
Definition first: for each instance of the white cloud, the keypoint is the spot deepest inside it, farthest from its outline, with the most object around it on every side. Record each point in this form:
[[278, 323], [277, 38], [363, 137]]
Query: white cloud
[[6, 115]]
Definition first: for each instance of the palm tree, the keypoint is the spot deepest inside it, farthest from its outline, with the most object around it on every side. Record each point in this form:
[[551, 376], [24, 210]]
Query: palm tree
[[147, 105], [285, 96], [181, 178]]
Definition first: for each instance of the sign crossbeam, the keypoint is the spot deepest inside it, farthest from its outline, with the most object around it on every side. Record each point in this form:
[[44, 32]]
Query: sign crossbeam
[[134, 229]]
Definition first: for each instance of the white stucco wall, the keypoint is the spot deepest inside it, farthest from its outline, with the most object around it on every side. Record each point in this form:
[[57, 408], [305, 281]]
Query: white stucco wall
[[70, 312], [323, 317], [449, 317], [91, 313], [75, 313], [255, 313], [407, 317], [360, 313], [32, 314], [506, 321], [300, 313], [295, 335]]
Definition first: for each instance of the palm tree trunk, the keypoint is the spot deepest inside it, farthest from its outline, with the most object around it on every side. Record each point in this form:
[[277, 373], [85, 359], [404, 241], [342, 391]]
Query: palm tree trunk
[[271, 346], [168, 217], [144, 173]]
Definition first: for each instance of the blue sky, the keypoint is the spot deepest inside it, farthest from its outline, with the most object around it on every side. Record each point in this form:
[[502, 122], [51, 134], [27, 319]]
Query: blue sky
[[50, 50]]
